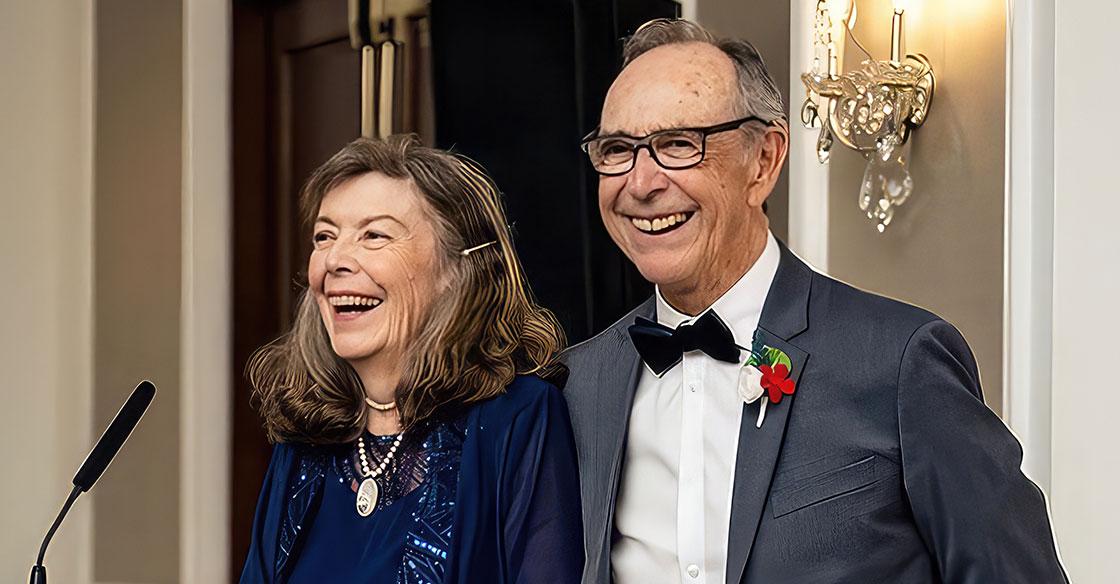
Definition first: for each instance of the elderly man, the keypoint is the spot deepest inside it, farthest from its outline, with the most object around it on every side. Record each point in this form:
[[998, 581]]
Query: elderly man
[[870, 455]]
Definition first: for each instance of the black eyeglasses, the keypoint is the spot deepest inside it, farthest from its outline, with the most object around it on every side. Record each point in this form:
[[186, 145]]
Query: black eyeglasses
[[673, 149]]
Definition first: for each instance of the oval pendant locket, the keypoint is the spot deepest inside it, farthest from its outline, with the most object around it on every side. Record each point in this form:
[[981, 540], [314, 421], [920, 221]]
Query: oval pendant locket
[[367, 497]]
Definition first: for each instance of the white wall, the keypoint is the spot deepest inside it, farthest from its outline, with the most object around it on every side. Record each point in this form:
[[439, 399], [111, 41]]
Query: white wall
[[45, 280], [1086, 388]]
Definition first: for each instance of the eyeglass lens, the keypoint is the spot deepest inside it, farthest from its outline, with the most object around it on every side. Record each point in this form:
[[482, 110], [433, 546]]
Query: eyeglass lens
[[671, 149]]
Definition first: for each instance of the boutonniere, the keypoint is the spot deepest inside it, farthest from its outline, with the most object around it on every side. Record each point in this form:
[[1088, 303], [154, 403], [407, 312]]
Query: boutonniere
[[766, 370]]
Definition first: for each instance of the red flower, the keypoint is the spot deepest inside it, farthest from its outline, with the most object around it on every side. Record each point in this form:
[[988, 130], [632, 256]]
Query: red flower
[[776, 381]]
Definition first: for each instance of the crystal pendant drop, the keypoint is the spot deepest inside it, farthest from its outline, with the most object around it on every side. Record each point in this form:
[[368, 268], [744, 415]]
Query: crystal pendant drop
[[886, 182], [824, 143]]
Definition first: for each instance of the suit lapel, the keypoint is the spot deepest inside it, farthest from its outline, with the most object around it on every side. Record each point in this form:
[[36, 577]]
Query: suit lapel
[[619, 383], [784, 316]]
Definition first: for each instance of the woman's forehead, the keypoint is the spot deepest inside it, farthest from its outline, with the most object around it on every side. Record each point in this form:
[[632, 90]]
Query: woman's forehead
[[368, 195]]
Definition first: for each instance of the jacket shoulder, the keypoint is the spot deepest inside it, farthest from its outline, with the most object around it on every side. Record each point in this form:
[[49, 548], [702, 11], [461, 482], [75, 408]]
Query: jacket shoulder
[[835, 303], [607, 339]]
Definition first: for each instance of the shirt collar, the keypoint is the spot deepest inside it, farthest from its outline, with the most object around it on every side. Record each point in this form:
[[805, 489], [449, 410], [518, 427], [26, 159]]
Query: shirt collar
[[741, 306]]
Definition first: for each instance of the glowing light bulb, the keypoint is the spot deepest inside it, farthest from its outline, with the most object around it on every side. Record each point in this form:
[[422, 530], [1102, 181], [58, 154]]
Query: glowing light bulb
[[900, 6], [838, 9]]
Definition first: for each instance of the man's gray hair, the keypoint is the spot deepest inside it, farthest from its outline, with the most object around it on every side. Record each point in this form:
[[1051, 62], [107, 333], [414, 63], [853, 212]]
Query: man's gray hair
[[758, 95]]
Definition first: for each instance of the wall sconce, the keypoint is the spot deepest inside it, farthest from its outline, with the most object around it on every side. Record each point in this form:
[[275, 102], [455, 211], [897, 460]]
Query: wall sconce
[[871, 110]]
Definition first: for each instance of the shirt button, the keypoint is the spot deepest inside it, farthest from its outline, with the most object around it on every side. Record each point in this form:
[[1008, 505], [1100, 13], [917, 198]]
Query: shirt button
[[692, 387], [693, 571]]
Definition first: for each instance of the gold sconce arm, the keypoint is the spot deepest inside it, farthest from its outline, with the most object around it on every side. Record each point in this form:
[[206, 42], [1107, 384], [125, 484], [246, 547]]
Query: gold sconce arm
[[872, 110], [863, 107]]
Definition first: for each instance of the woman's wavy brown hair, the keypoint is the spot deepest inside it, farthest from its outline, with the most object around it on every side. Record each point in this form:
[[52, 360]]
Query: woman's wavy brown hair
[[480, 332]]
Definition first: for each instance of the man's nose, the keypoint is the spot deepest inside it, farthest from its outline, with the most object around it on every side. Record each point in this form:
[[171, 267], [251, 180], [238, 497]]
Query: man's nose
[[647, 178]]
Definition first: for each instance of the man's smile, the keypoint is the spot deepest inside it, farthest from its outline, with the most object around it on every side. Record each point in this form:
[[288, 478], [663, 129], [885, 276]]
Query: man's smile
[[660, 224]]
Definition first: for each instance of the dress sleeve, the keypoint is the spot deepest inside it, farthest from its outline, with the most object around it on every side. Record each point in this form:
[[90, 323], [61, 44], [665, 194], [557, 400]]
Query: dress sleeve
[[259, 564], [980, 517], [542, 523]]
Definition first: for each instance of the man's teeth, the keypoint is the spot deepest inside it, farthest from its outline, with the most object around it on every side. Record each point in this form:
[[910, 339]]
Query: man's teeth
[[353, 301], [658, 223]]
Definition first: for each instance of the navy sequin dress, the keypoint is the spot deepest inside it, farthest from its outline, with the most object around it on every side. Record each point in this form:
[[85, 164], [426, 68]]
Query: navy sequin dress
[[491, 495]]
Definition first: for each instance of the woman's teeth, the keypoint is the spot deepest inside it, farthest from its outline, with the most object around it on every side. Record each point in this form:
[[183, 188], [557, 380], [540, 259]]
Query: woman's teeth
[[354, 302], [659, 223]]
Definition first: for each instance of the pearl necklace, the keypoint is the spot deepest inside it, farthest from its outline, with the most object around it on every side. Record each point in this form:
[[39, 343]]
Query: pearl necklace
[[368, 491], [380, 406]]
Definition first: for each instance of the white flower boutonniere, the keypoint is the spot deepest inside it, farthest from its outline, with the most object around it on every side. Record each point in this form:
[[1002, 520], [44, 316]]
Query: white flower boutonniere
[[750, 389], [767, 370]]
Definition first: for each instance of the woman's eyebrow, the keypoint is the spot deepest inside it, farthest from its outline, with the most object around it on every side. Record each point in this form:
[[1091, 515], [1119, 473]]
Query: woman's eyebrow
[[372, 218], [364, 222]]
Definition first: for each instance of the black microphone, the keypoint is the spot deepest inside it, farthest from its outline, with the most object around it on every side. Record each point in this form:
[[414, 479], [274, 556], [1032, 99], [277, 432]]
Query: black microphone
[[99, 458]]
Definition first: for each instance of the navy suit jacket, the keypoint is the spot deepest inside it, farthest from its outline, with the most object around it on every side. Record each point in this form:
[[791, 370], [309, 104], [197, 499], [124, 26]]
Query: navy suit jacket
[[884, 466]]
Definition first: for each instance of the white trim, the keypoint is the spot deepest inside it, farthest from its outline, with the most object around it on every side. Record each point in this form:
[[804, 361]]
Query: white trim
[[688, 9], [1029, 231], [808, 178], [206, 295], [81, 518]]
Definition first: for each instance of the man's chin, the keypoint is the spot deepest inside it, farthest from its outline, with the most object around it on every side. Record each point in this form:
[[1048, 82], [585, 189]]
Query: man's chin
[[661, 273]]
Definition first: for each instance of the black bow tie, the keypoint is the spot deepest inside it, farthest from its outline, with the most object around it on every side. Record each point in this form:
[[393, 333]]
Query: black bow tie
[[662, 347]]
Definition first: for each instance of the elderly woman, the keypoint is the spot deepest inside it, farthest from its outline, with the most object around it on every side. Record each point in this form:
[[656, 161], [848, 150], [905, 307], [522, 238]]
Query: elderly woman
[[417, 439]]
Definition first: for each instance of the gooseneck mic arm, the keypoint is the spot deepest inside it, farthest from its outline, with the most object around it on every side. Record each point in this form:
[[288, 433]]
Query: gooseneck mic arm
[[99, 458], [39, 573]]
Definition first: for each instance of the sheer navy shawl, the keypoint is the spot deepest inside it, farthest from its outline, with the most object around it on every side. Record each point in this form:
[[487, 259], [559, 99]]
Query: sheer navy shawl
[[518, 516]]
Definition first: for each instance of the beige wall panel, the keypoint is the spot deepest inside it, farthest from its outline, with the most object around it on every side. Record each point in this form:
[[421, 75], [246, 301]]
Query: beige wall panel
[[137, 282], [944, 249], [45, 263], [766, 26]]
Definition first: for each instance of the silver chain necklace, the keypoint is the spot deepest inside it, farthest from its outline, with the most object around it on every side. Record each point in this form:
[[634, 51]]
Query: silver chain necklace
[[368, 491]]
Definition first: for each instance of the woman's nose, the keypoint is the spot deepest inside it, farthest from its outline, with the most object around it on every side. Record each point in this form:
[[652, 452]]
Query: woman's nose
[[340, 257]]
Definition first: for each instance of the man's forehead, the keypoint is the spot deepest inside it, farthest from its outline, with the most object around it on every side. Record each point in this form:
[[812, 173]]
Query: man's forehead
[[672, 86]]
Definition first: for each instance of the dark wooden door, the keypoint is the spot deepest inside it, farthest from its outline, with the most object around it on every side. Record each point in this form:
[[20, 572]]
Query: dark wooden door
[[516, 84], [296, 101]]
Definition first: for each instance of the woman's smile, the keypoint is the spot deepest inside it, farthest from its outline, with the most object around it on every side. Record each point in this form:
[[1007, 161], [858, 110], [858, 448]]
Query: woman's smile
[[349, 306]]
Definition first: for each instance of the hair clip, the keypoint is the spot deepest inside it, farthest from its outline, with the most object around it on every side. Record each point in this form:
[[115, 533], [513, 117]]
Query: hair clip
[[469, 251]]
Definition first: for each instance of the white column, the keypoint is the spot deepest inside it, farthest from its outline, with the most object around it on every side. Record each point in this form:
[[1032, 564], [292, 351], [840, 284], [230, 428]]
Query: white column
[[688, 9], [206, 295], [1029, 231], [808, 178]]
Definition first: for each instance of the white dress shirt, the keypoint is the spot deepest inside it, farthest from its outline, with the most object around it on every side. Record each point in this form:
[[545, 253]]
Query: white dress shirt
[[674, 500]]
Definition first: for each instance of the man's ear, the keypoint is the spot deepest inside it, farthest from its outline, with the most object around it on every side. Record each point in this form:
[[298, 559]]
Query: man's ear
[[773, 146]]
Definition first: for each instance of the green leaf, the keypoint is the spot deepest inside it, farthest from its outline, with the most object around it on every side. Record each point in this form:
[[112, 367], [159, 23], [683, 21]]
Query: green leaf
[[776, 356], [783, 359]]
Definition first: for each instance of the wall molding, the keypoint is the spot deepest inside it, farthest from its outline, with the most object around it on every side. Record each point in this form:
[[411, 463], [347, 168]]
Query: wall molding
[[808, 178], [1029, 232], [206, 323]]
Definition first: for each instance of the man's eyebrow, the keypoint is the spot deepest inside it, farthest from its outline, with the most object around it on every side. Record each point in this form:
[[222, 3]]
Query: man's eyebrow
[[621, 134]]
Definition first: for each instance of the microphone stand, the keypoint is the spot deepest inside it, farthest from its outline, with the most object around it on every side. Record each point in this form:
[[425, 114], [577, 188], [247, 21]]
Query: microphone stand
[[38, 572], [98, 459]]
